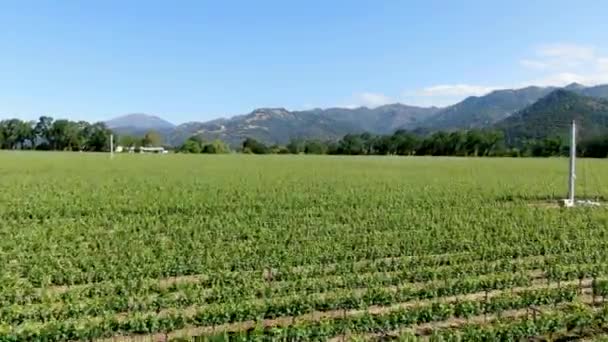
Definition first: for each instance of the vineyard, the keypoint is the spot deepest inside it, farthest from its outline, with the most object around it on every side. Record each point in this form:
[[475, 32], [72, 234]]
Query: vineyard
[[237, 247]]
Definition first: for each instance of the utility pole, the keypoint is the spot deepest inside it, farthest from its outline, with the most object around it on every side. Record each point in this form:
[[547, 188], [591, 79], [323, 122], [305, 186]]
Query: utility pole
[[111, 146], [569, 202]]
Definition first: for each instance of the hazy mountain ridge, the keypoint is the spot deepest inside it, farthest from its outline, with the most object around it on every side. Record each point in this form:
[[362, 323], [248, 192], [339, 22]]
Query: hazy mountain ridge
[[139, 124], [483, 111], [279, 125], [270, 125]]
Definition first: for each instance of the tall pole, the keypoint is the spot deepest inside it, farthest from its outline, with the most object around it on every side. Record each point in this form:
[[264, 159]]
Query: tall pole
[[111, 145], [572, 175]]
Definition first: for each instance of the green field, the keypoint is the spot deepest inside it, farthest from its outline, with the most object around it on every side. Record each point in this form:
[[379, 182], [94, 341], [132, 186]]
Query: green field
[[149, 247]]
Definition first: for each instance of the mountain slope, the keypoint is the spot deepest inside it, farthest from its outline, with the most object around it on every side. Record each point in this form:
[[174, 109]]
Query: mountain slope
[[597, 91], [483, 111], [138, 124], [551, 116], [380, 120], [278, 125], [269, 125]]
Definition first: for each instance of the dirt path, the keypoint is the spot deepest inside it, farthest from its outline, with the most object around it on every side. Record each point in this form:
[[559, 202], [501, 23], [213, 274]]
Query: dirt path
[[319, 315]]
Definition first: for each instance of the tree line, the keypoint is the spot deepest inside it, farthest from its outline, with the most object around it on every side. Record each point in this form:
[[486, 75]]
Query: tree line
[[196, 144], [476, 142], [65, 135], [50, 134]]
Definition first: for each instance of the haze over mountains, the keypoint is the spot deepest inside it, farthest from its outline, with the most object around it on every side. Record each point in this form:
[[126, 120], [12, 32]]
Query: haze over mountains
[[522, 112], [139, 123]]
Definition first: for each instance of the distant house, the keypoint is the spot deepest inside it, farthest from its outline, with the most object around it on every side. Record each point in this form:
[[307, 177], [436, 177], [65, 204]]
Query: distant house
[[134, 149], [160, 150]]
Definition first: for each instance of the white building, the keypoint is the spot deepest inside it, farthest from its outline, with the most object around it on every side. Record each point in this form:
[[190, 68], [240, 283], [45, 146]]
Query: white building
[[160, 150]]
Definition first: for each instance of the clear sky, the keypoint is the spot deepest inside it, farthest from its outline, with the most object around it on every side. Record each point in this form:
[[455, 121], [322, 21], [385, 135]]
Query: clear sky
[[197, 60]]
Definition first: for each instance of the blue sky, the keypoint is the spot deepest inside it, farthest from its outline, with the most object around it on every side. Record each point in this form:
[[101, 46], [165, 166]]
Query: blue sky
[[198, 60]]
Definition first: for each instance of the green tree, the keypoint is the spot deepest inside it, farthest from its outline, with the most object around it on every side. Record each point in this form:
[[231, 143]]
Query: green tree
[[16, 134], [129, 140], [296, 146], [216, 147], [42, 130], [97, 137], [351, 144], [152, 138], [64, 135], [191, 145], [315, 147], [405, 143], [251, 145]]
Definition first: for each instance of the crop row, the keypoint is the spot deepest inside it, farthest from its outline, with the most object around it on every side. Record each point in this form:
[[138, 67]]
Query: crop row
[[237, 309], [191, 295], [576, 321], [59, 267], [151, 323], [394, 271]]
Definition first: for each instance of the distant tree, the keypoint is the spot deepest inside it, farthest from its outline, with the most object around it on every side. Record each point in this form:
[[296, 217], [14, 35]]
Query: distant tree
[[152, 138], [64, 135], [216, 147], [595, 147], [384, 145], [369, 141], [315, 147], [16, 134], [97, 137], [351, 144], [191, 145], [296, 146], [474, 143], [282, 150], [251, 145], [42, 129], [332, 147], [405, 143], [127, 140], [455, 145], [435, 145]]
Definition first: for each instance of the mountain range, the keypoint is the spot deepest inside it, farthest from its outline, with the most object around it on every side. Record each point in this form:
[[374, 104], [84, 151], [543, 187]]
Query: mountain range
[[513, 110]]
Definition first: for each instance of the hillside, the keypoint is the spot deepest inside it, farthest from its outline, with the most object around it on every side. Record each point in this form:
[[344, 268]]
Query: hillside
[[278, 125], [551, 116], [483, 111], [381, 120], [270, 125], [597, 91]]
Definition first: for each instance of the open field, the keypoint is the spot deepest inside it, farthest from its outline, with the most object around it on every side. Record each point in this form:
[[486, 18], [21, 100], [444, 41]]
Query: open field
[[148, 248]]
